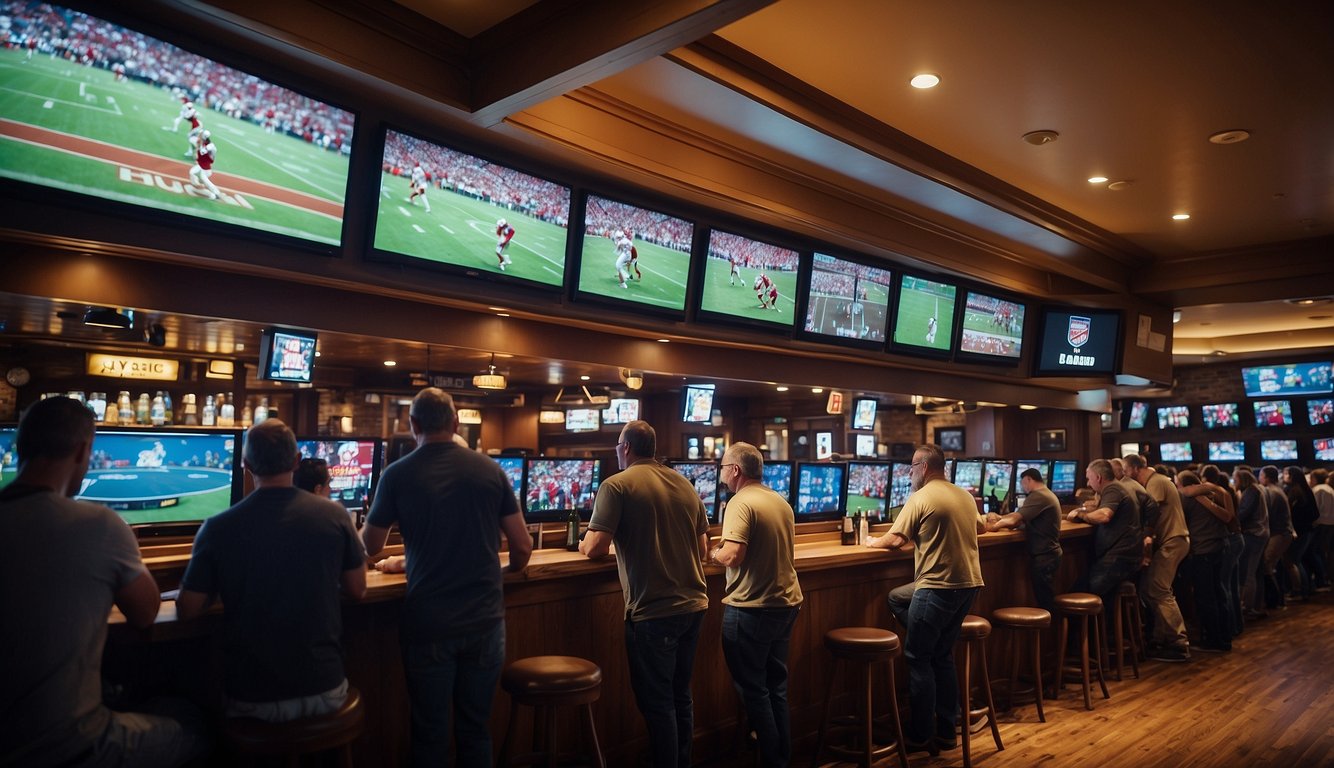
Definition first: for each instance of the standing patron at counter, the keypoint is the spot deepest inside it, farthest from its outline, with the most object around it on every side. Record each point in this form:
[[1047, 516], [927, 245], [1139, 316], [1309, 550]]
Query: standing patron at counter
[[1040, 516]]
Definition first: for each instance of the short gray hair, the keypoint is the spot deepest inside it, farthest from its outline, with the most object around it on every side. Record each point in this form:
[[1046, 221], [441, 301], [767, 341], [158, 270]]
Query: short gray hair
[[748, 459], [433, 410]]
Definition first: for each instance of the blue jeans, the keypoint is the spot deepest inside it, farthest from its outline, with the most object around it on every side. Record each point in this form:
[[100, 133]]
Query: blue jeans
[[934, 619], [661, 653], [1207, 573], [1105, 576], [453, 681], [755, 644]]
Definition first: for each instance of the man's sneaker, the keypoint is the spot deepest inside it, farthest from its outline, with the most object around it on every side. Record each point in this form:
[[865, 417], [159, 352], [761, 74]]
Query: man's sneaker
[[1170, 654], [502, 265]]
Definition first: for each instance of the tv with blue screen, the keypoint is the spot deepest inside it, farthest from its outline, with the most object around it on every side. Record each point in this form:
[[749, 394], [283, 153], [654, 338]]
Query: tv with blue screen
[[1288, 379], [1227, 450], [863, 413], [868, 489], [1278, 450], [155, 477], [9, 458], [553, 487], [1063, 481], [819, 491], [513, 467], [704, 476], [778, 476], [354, 467]]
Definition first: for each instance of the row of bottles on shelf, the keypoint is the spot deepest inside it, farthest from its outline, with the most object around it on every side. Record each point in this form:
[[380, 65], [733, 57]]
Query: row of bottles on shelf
[[158, 409]]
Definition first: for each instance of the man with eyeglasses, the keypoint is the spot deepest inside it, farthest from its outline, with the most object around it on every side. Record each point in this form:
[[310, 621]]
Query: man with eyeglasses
[[660, 528], [761, 599], [941, 520]]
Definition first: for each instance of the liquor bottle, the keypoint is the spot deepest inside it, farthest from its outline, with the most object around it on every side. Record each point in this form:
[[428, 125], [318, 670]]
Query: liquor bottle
[[262, 410], [190, 409], [157, 412], [572, 531], [226, 412], [124, 410], [210, 412], [863, 529], [141, 409], [168, 413], [97, 402], [849, 532], [245, 417]]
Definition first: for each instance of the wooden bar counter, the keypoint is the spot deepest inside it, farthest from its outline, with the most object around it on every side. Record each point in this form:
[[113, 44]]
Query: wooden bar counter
[[565, 604]]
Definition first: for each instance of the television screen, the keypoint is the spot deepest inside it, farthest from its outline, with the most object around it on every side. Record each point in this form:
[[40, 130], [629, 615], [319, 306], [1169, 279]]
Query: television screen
[[1173, 417], [1077, 342], [634, 254], [868, 489], [819, 491], [1273, 413], [1324, 448], [582, 420], [513, 466], [1320, 411], [1041, 465], [353, 468], [997, 481], [949, 470], [778, 476], [104, 111], [1221, 415], [968, 476], [162, 477], [552, 487], [924, 319], [749, 280], [697, 404], [1128, 448], [863, 413], [1062, 478], [824, 445], [1175, 452], [621, 410], [9, 458], [1278, 450], [704, 476], [991, 327], [1227, 450], [1288, 379], [847, 300], [865, 446], [1139, 414], [900, 484], [286, 355], [447, 207]]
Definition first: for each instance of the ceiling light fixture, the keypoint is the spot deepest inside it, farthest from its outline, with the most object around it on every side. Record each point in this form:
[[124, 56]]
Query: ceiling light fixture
[[664, 341], [390, 363], [1233, 136], [633, 379], [1097, 179], [585, 377], [1180, 216], [780, 388], [1039, 138], [1028, 407], [491, 379], [817, 390], [924, 80], [107, 317], [1176, 316], [1118, 186]]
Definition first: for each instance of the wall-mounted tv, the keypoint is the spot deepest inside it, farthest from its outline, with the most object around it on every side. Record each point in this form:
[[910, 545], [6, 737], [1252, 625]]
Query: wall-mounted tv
[[1138, 414], [847, 300], [819, 491], [9, 458], [924, 316], [636, 255], [864, 446], [168, 476], [900, 484], [704, 476], [1221, 415], [1320, 412], [513, 466], [1173, 416], [778, 476], [553, 487], [1063, 482], [1288, 379], [868, 489], [286, 355], [106, 112], [1278, 450], [621, 410], [991, 328], [1127, 448], [582, 420], [1227, 450], [354, 467], [863, 413], [750, 281], [1273, 413], [1043, 467], [997, 482], [697, 403], [1074, 341], [1324, 448], [968, 475], [442, 206], [1175, 452]]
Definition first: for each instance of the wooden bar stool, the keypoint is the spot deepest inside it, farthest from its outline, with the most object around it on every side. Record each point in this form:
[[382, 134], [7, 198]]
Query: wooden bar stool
[[297, 738], [545, 683], [1024, 623], [1081, 606], [973, 636], [862, 646], [1128, 629]]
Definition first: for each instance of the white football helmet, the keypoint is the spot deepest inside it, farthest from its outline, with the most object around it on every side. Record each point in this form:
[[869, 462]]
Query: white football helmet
[[500, 222], [204, 136]]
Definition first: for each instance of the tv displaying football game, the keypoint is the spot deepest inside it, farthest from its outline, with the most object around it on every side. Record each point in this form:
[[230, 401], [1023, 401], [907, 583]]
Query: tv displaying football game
[[634, 254], [354, 467], [1175, 452], [1288, 379], [1074, 341], [162, 476], [997, 482], [9, 457], [1139, 414], [863, 413], [553, 487], [442, 206], [1324, 448], [1278, 450], [868, 489], [513, 466], [819, 491], [847, 300], [704, 476], [778, 476], [1320, 412], [1273, 413], [968, 475], [1173, 417], [1227, 450], [924, 318], [749, 280], [621, 410], [697, 403], [1062, 478], [1221, 415], [991, 328], [900, 484], [286, 355], [100, 110]]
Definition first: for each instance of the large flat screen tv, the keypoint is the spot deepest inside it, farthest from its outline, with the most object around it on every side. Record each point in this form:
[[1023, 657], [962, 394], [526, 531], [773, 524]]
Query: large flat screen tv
[[635, 255], [103, 111], [1175, 452], [1278, 450], [1073, 341], [749, 281], [968, 475], [1273, 413], [697, 403], [621, 410], [286, 355], [1320, 412], [847, 301], [1287, 379], [704, 476], [1324, 448], [991, 328], [163, 477], [354, 468], [513, 467], [1063, 482], [1227, 450], [868, 489], [9, 458], [1043, 467], [553, 487], [1221, 415], [924, 316], [819, 491], [1173, 416], [778, 476], [900, 485], [444, 207]]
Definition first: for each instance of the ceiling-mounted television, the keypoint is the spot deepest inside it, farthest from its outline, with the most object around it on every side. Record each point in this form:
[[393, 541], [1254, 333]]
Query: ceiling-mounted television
[[1221, 415], [582, 420], [1288, 379], [634, 255], [924, 316], [697, 403], [554, 487], [749, 281], [621, 410], [286, 354], [704, 476], [1227, 450], [443, 207], [1074, 341], [863, 412], [819, 490], [1137, 415], [1320, 411], [1324, 448], [847, 301], [136, 125], [991, 329]]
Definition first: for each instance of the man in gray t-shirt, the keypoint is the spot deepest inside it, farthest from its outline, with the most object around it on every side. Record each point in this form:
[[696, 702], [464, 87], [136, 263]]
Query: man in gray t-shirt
[[1040, 517]]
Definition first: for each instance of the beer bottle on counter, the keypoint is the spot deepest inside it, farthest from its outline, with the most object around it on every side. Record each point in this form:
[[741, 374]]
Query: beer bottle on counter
[[849, 532], [863, 528], [572, 531], [210, 412]]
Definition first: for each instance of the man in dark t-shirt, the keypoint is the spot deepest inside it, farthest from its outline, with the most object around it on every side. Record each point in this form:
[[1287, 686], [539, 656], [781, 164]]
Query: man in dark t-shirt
[[1117, 544], [1040, 517], [278, 560]]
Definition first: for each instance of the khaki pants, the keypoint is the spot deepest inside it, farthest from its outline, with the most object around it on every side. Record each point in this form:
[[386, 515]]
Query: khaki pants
[[1169, 628]]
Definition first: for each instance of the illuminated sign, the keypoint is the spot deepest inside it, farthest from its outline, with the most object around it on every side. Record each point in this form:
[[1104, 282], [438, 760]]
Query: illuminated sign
[[121, 367]]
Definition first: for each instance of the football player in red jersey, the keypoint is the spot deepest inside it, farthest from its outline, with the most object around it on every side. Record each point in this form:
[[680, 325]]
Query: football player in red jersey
[[735, 277], [504, 234], [203, 167], [418, 186]]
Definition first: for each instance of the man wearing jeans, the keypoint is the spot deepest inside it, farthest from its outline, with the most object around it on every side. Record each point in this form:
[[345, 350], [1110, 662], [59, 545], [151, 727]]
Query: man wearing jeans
[[451, 505], [1117, 544], [660, 528], [1169, 537], [941, 520], [761, 599]]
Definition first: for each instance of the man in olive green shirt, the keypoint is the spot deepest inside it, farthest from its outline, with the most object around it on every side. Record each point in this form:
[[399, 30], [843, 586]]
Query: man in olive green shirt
[[761, 599], [660, 529], [1170, 539]]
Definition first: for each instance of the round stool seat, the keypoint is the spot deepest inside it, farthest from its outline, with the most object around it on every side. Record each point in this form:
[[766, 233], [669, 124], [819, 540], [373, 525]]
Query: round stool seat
[[1079, 603], [298, 737], [1021, 617], [861, 642], [975, 628], [552, 680]]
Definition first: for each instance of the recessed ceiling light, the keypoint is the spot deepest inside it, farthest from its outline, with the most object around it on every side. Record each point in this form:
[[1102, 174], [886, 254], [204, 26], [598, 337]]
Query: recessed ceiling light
[[496, 309], [502, 314], [1028, 407], [781, 388], [1180, 216], [1310, 301], [1097, 179], [1117, 186], [817, 390], [317, 353], [664, 341], [924, 80], [390, 363], [585, 377], [1234, 136], [1219, 353], [1038, 138]]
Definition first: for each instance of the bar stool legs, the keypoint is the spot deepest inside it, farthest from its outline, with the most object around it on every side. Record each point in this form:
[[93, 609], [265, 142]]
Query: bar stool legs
[[862, 646], [1081, 605], [1023, 622], [1128, 625], [545, 683], [974, 634]]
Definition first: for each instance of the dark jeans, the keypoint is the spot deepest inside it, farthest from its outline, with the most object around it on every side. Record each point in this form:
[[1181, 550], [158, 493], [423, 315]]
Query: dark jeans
[[453, 680], [1251, 556], [1105, 576], [755, 644], [1297, 557], [933, 621], [1233, 546], [661, 653], [1044, 581], [1207, 573]]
